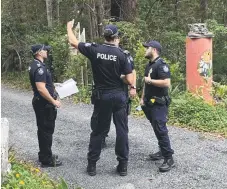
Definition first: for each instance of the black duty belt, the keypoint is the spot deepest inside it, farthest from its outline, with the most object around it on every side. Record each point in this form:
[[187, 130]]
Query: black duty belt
[[164, 100]]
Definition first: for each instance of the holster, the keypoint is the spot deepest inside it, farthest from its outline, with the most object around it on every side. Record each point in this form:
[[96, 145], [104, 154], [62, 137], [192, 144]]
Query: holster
[[165, 100], [168, 100], [128, 108], [95, 95]]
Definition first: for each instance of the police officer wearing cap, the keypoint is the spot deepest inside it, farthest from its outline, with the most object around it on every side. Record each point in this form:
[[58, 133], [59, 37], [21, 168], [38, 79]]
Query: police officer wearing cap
[[129, 90], [108, 63], [44, 104], [155, 101]]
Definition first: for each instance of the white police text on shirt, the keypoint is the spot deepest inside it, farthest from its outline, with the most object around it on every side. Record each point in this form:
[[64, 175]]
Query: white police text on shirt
[[107, 57]]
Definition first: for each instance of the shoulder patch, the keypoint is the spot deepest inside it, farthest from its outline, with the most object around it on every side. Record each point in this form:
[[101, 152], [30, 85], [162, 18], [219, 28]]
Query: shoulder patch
[[40, 71], [130, 57], [165, 68], [129, 60], [87, 44]]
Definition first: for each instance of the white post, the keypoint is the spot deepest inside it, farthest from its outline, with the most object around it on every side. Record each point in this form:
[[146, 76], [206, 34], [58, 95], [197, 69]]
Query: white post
[[5, 166]]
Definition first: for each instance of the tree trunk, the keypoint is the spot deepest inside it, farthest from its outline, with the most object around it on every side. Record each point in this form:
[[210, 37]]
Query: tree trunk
[[100, 13], [116, 9], [49, 9], [203, 9], [128, 9], [58, 11], [225, 14]]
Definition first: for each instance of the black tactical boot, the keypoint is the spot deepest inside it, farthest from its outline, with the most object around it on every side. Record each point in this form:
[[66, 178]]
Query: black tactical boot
[[91, 168], [53, 156], [122, 168], [53, 162], [167, 165], [156, 156]]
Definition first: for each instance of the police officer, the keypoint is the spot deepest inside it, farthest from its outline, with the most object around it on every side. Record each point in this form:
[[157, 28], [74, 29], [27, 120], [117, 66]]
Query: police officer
[[44, 104], [129, 90], [155, 101], [107, 62]]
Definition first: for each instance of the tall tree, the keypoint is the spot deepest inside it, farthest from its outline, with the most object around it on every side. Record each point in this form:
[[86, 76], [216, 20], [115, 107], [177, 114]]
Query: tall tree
[[49, 9], [124, 10], [129, 10], [203, 9]]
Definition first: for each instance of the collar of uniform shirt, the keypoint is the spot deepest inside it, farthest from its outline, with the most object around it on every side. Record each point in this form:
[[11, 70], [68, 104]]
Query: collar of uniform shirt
[[110, 45], [151, 62], [39, 61]]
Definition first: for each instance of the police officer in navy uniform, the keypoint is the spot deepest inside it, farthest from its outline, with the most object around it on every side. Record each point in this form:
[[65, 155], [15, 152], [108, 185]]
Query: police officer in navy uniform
[[44, 104], [129, 90], [155, 101], [108, 63]]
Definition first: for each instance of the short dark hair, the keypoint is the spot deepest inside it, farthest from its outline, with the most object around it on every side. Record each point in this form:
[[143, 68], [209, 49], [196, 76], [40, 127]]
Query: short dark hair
[[109, 38]]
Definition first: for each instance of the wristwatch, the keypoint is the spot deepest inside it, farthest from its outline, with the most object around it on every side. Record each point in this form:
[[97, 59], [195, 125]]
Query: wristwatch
[[133, 87]]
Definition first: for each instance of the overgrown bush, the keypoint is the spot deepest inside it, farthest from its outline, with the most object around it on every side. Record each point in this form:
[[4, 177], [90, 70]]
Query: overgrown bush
[[193, 112]]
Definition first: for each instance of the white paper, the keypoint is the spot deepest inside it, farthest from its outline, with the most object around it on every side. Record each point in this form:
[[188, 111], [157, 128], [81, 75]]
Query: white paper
[[66, 89]]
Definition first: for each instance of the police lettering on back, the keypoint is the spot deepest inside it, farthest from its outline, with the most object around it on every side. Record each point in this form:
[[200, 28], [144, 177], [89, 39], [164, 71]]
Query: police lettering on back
[[106, 57]]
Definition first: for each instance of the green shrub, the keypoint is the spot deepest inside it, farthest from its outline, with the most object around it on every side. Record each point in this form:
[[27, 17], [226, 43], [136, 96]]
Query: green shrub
[[193, 112], [25, 176], [17, 79]]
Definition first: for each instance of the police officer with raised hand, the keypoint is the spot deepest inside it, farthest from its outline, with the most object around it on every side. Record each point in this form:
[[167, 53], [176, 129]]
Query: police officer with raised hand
[[44, 104], [155, 101], [108, 63], [129, 90]]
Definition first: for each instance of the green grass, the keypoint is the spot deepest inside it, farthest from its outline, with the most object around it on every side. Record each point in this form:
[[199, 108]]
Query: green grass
[[16, 79], [25, 176]]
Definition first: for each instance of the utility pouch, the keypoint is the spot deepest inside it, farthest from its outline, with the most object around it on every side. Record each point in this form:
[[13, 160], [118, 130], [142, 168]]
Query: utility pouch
[[168, 100]]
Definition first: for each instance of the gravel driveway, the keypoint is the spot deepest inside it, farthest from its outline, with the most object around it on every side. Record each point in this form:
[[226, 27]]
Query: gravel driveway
[[201, 160]]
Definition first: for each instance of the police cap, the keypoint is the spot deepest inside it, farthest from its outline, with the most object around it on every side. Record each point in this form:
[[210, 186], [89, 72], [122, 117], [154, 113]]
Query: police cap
[[154, 44], [111, 31], [38, 47]]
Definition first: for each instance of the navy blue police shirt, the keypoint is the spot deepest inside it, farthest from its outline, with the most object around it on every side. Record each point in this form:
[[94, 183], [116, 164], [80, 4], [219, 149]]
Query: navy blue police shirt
[[157, 69], [38, 72], [108, 62], [130, 59]]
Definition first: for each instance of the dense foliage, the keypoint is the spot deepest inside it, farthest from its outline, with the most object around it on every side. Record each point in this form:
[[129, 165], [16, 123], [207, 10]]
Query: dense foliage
[[25, 23]]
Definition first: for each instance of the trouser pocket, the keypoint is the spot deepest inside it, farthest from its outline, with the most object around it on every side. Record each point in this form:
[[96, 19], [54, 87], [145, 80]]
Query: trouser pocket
[[50, 112]]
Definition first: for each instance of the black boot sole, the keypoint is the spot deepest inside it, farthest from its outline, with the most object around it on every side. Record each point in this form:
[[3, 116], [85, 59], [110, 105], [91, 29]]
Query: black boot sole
[[166, 170], [51, 165], [156, 159], [122, 173], [91, 173]]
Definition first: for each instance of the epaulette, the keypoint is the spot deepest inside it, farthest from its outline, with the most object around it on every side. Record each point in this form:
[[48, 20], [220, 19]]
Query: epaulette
[[38, 63], [162, 61], [126, 52], [94, 44]]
